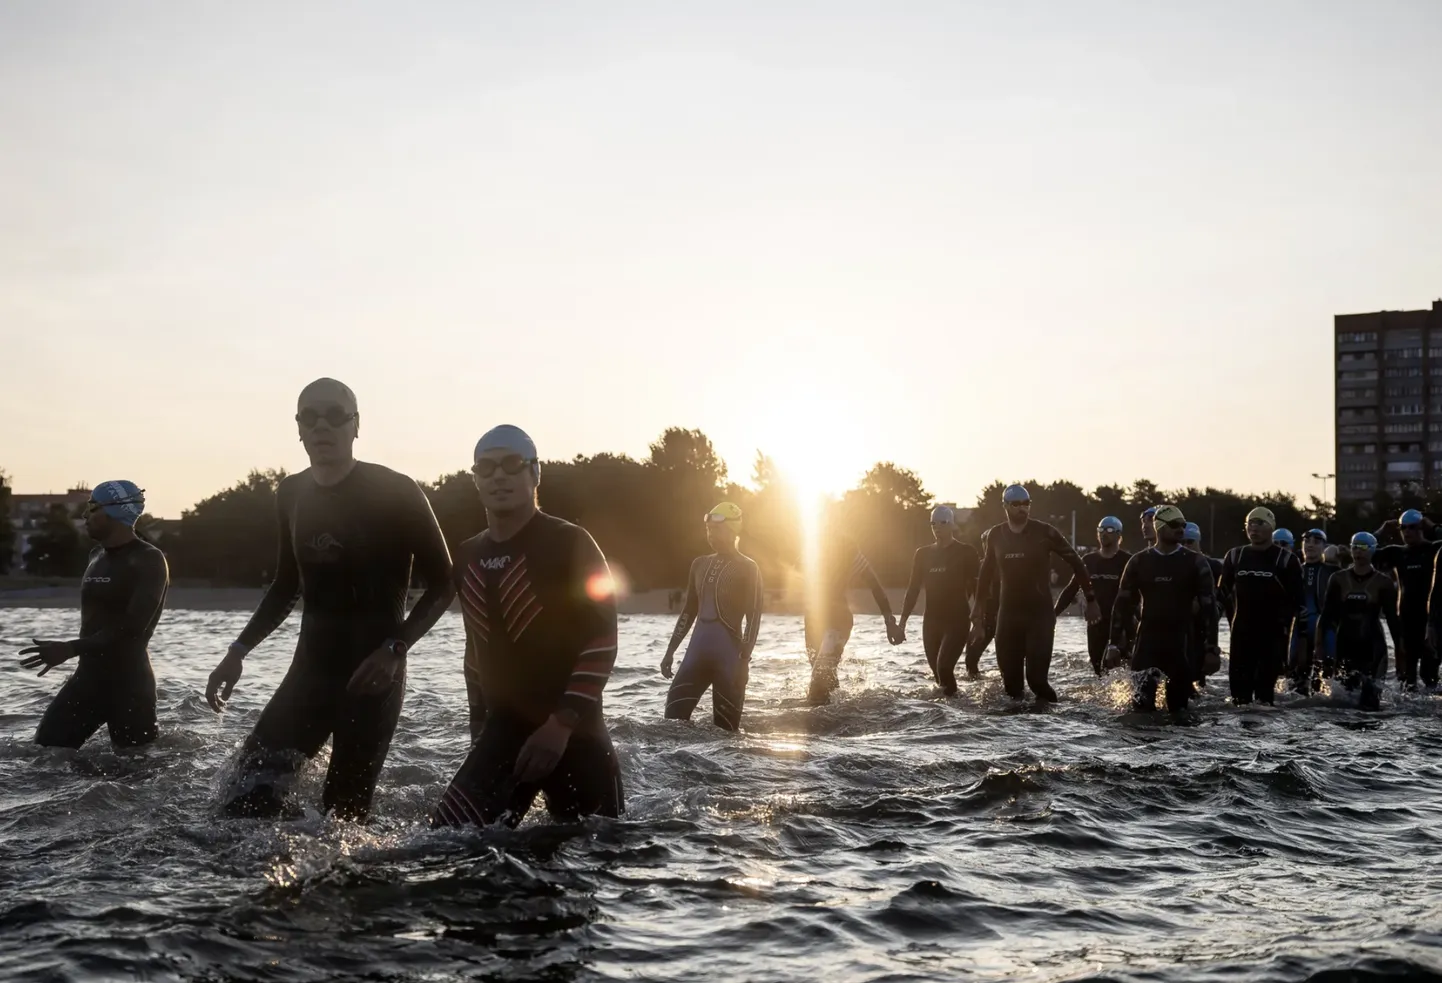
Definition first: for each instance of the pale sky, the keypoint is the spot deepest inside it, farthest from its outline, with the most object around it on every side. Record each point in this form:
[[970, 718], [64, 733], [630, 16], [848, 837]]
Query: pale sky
[[1084, 240]]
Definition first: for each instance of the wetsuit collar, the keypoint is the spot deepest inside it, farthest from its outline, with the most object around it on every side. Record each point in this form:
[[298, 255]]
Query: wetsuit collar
[[1024, 523], [330, 475], [123, 536], [1108, 555], [503, 528]]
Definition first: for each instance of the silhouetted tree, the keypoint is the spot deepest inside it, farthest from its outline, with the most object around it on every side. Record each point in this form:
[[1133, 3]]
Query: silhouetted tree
[[7, 526], [231, 537], [56, 549]]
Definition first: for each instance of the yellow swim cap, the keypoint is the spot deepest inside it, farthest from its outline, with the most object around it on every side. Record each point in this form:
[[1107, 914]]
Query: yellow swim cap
[[1168, 513], [725, 512], [1262, 514]]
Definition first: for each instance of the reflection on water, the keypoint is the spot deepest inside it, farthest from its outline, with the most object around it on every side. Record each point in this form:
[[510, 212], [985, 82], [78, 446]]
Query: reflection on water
[[889, 835]]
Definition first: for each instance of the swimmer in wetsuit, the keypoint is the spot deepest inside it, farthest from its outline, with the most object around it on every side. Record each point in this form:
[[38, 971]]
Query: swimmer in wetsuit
[[1104, 565], [723, 601], [1304, 670], [947, 571], [121, 598], [1149, 532], [828, 620], [1412, 564], [1018, 561], [1265, 584], [351, 535], [540, 612], [984, 615], [1356, 601], [1173, 584], [1285, 539], [1204, 659]]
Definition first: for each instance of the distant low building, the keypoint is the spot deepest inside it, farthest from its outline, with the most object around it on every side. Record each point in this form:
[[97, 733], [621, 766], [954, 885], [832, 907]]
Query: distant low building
[[27, 512]]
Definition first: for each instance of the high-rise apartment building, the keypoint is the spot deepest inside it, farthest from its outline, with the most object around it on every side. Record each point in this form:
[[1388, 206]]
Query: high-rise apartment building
[[1389, 401]]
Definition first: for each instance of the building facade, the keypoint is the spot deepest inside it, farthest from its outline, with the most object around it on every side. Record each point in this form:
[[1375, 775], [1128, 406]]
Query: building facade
[[27, 513], [1389, 401]]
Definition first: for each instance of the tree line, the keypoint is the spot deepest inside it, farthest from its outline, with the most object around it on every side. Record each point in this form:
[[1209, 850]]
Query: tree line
[[646, 516]]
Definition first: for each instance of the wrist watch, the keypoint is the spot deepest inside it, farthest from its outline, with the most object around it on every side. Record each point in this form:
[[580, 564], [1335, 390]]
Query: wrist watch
[[397, 647]]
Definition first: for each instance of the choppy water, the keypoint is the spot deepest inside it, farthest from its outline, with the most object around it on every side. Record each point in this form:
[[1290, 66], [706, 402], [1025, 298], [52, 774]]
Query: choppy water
[[893, 835]]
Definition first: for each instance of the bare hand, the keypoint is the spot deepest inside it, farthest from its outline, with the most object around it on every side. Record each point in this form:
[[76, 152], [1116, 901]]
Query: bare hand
[[46, 653], [376, 673], [894, 634], [542, 751], [224, 678], [666, 664], [1094, 612]]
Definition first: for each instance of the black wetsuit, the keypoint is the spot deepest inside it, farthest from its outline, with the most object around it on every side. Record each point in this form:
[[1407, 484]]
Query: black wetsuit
[[1020, 564], [121, 598], [1413, 567], [948, 575], [1304, 674], [1106, 575], [723, 600], [828, 620], [1168, 585], [346, 553], [1266, 590], [1200, 627], [1354, 607], [540, 613]]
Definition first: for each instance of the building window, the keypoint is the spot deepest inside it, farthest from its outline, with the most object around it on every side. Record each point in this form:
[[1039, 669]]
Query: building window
[[1404, 409], [1400, 392], [1362, 394], [1359, 448], [1356, 357], [1363, 429], [1356, 337], [1352, 467], [1408, 448], [1399, 428], [1408, 372], [1404, 467], [1364, 375], [1359, 484], [1356, 413], [1399, 354]]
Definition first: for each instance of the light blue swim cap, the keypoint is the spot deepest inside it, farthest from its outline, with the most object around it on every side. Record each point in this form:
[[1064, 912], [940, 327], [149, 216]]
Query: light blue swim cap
[[1284, 536], [1015, 494], [123, 501], [507, 437], [1110, 522], [1193, 533], [1364, 541], [1410, 518]]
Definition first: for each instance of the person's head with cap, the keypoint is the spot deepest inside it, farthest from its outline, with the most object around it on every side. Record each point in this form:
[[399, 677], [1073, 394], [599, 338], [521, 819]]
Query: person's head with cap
[[507, 470], [1109, 532], [329, 421], [1332, 556], [1314, 544], [1149, 533], [1260, 524], [1363, 548], [723, 527], [1285, 539], [1170, 525], [1410, 523], [113, 510], [1192, 536], [1016, 503], [943, 524]]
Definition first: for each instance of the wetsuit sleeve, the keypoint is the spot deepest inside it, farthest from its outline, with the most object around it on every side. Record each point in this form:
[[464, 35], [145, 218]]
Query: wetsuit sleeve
[[432, 563], [753, 614], [1126, 597], [284, 589], [1067, 595], [1296, 584], [1227, 580], [913, 589], [1394, 620], [475, 696], [1388, 557], [986, 575], [861, 570], [1207, 601], [151, 576], [688, 613], [1434, 597], [1331, 614], [1069, 556], [594, 594]]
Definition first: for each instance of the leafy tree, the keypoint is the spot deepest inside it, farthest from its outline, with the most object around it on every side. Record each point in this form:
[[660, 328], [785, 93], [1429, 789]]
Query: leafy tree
[[231, 537], [56, 549]]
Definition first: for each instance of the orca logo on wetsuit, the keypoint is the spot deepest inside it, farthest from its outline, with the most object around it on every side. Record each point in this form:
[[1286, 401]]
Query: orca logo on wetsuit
[[97, 580], [1359, 596], [1255, 573], [1106, 576], [325, 545]]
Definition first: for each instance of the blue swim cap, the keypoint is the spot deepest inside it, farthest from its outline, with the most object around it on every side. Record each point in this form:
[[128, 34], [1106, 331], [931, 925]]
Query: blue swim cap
[[510, 438], [1014, 494], [1284, 536], [942, 516], [123, 501], [1315, 534], [1110, 522], [1193, 533], [1364, 541], [1149, 512], [1410, 518]]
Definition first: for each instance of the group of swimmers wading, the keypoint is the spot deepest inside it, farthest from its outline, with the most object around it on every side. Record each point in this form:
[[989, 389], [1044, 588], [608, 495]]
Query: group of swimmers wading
[[539, 608]]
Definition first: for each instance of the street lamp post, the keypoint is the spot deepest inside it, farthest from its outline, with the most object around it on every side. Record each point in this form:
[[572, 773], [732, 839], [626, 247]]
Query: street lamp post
[[1324, 479]]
